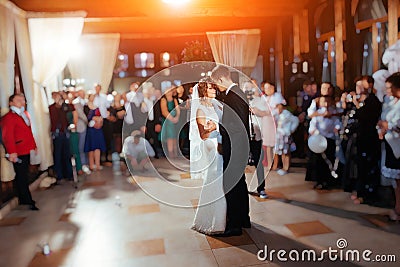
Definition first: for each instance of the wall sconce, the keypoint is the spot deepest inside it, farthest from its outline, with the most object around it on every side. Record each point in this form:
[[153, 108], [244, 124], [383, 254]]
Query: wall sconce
[[143, 59], [298, 66], [165, 58], [305, 67], [294, 67]]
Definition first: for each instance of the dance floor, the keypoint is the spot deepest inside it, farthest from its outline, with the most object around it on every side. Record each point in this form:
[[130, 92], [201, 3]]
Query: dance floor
[[116, 220]]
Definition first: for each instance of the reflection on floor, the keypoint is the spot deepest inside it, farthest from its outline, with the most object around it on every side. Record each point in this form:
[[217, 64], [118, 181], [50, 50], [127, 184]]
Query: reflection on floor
[[112, 220]]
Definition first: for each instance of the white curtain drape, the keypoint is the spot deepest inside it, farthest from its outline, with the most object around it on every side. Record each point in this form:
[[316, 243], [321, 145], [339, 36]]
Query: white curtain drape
[[96, 59], [7, 52], [52, 41], [238, 49], [43, 48]]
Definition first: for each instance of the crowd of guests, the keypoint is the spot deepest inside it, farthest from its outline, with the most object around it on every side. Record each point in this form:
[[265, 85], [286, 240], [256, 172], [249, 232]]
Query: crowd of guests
[[361, 132], [82, 127], [358, 133], [347, 120], [272, 124], [95, 127], [362, 138]]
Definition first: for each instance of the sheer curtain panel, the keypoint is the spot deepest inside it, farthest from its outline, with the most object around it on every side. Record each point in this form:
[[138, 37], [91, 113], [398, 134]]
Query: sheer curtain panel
[[7, 54], [95, 59], [238, 49], [52, 40]]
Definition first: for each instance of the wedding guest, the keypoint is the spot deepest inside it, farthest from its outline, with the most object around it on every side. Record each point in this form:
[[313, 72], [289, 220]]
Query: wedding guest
[[299, 135], [286, 124], [108, 129], [304, 99], [138, 151], [136, 115], [368, 83], [305, 96], [151, 121], [81, 126], [103, 104], [100, 101], [158, 118], [349, 138], [182, 125], [18, 142], [258, 109], [118, 113], [94, 142], [61, 134], [273, 98], [326, 122], [389, 130], [170, 112], [314, 89], [72, 117], [366, 113]]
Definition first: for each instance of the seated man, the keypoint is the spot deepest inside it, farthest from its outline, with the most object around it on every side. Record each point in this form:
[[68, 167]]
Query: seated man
[[138, 151]]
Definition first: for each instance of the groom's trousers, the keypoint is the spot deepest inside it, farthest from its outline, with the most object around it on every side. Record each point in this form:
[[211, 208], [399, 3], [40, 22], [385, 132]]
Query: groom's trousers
[[235, 186], [258, 153]]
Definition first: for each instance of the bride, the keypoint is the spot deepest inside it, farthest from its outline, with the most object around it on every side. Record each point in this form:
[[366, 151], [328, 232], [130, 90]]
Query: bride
[[205, 160]]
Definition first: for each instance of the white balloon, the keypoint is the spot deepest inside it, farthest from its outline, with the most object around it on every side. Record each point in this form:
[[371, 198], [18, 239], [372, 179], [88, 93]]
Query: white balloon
[[317, 143], [380, 77], [391, 57]]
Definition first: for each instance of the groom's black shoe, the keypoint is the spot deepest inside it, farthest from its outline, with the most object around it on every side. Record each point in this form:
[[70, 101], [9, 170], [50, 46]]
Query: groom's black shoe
[[230, 232], [246, 224]]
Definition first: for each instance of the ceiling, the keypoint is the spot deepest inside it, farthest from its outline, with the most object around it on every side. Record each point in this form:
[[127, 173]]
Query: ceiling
[[135, 19]]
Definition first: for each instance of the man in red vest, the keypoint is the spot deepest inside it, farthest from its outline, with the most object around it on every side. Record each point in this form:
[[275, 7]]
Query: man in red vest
[[18, 141]]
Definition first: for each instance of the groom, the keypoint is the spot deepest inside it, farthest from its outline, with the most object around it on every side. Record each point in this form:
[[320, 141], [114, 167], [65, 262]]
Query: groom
[[235, 150]]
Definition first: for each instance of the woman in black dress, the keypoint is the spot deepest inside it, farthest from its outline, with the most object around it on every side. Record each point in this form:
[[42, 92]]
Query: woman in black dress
[[368, 145]]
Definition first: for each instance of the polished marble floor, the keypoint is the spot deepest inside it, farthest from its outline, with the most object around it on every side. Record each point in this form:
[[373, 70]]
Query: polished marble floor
[[117, 220]]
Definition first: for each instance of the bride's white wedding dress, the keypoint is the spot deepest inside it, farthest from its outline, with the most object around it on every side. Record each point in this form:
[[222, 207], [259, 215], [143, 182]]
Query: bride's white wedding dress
[[210, 215]]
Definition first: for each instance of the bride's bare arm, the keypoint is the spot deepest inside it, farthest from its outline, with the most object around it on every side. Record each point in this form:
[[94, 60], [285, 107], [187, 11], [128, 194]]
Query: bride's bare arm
[[204, 127]]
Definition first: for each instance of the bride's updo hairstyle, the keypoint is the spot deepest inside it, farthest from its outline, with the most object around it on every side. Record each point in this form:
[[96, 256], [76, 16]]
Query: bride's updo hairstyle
[[202, 86]]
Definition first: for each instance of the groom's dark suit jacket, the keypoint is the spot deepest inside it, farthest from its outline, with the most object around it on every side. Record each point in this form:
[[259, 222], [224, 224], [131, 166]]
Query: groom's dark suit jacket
[[235, 144], [235, 125]]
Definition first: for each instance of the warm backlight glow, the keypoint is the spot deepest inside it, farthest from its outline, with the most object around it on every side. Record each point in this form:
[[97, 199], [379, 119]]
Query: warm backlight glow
[[176, 2], [166, 56]]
